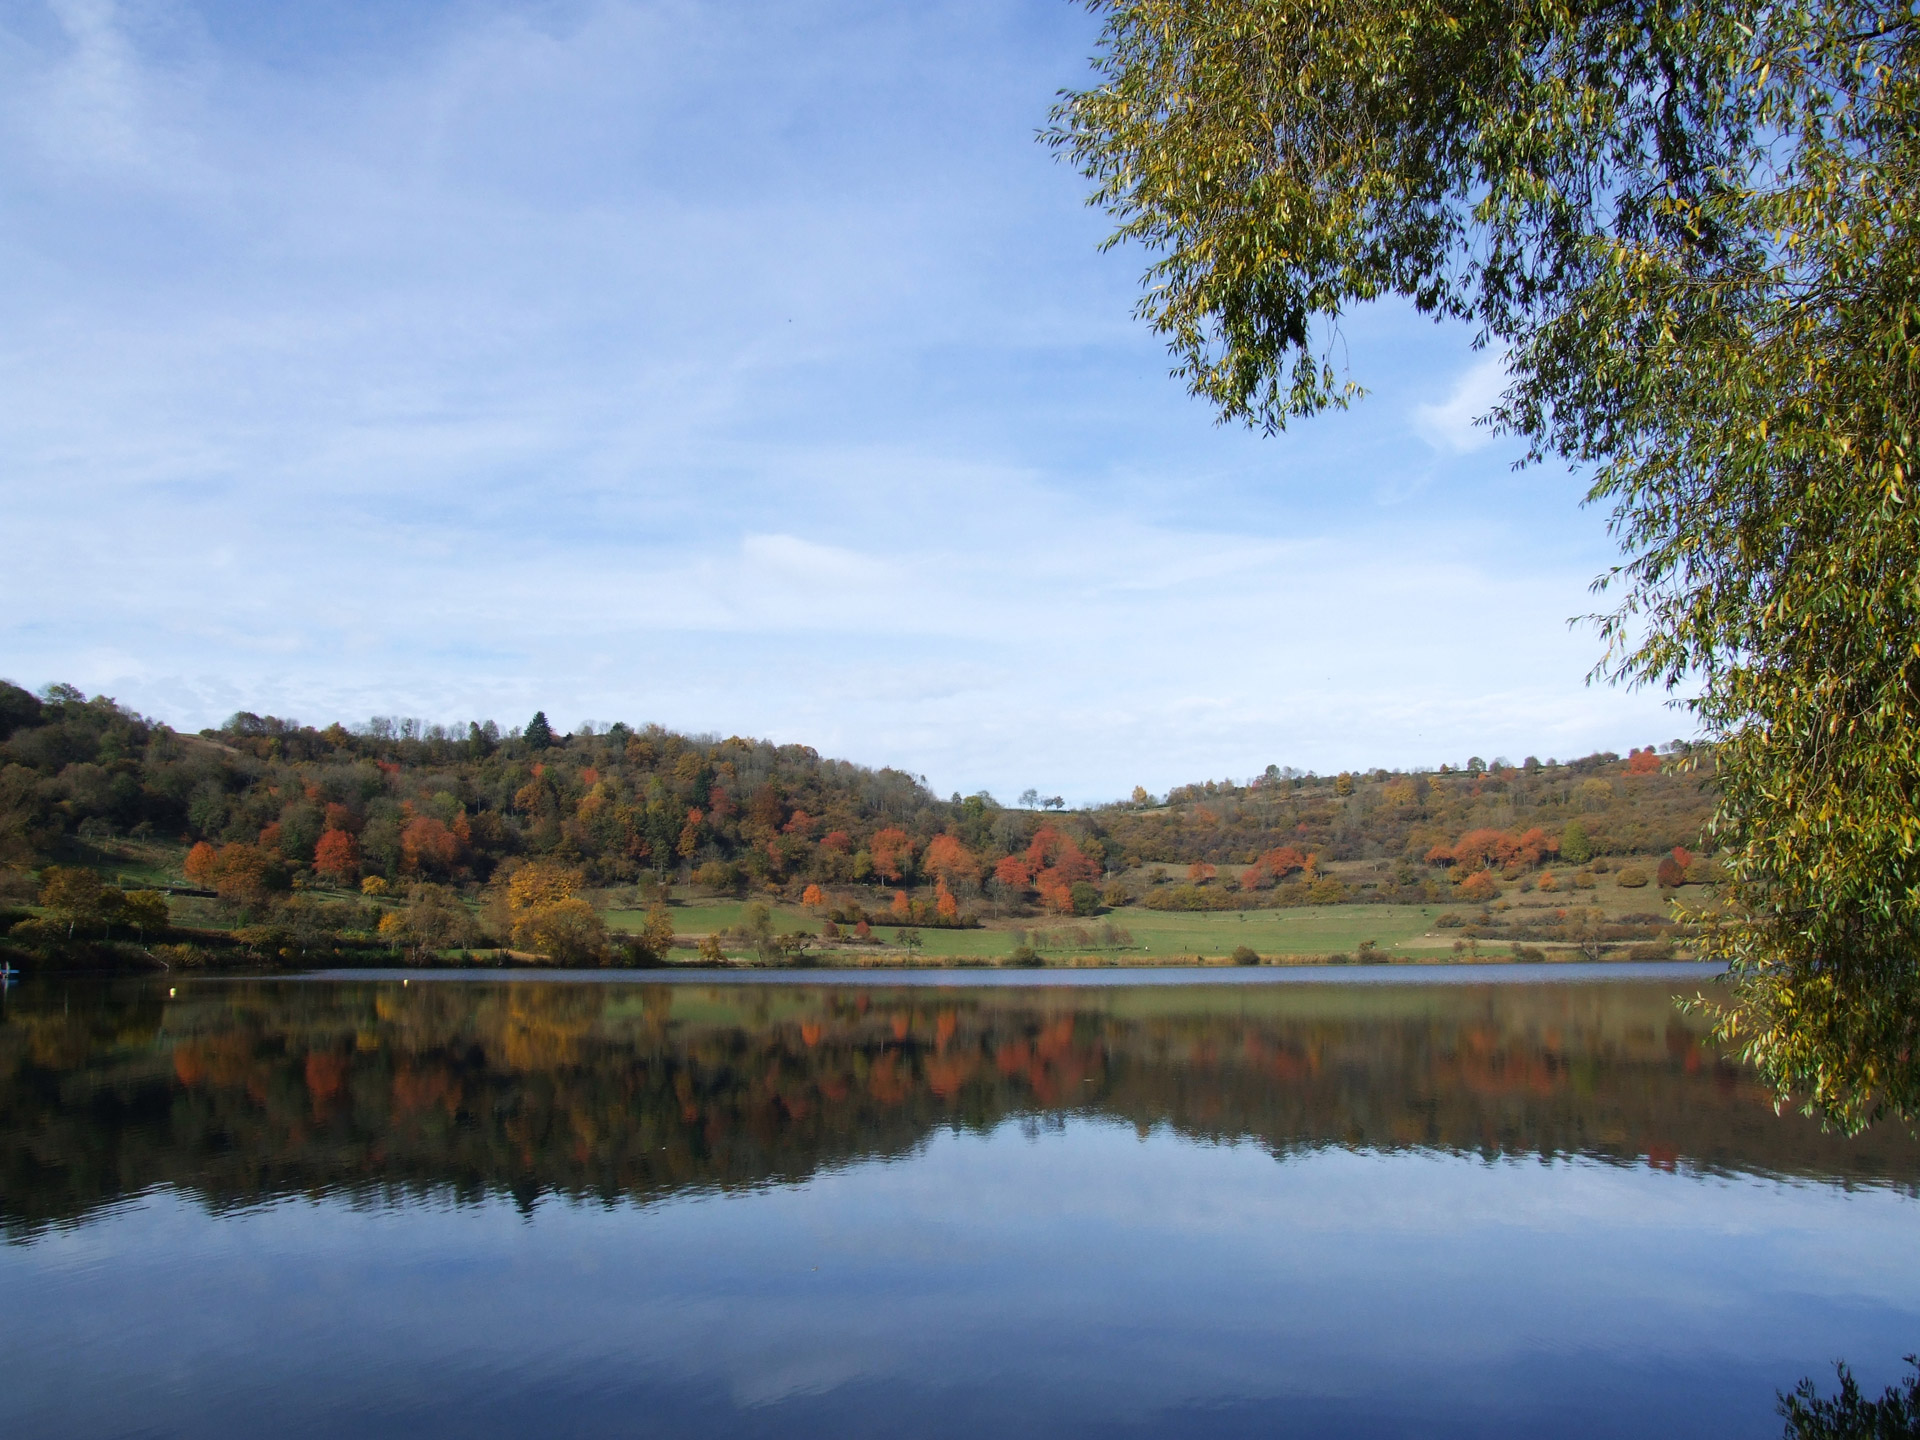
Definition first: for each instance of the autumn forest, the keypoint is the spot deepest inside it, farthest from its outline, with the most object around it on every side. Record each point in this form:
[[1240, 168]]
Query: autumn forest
[[393, 836]]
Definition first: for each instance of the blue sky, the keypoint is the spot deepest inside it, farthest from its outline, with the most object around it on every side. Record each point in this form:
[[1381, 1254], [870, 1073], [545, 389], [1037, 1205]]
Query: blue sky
[[744, 367]]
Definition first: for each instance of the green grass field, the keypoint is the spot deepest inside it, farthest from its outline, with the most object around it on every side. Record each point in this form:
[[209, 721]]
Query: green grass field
[[1405, 931]]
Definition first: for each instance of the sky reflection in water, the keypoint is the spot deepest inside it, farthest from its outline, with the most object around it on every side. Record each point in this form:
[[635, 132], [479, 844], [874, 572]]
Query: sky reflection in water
[[313, 1209]]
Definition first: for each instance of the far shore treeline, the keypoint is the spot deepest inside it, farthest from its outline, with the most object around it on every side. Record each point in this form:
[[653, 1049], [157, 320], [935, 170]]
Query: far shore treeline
[[400, 835]]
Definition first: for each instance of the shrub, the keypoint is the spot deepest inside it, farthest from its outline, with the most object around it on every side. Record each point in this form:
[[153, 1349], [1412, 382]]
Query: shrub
[[1245, 955], [1671, 873], [1575, 847], [1479, 886], [717, 876], [566, 932], [1326, 892], [630, 951], [1026, 957], [1631, 877], [1189, 897], [264, 942]]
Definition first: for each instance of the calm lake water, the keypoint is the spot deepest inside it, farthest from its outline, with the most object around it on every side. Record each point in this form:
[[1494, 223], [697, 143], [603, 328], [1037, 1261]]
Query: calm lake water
[[1358, 1204]]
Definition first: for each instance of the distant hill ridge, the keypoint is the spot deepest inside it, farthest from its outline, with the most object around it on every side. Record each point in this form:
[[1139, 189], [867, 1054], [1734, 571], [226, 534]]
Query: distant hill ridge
[[404, 800], [1642, 804]]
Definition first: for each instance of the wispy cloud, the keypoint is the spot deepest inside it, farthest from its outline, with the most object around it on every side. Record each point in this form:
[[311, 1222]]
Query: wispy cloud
[[1453, 424], [739, 367]]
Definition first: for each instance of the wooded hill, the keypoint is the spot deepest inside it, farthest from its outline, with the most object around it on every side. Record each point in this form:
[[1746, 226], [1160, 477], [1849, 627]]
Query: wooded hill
[[1644, 804], [270, 806], [410, 800]]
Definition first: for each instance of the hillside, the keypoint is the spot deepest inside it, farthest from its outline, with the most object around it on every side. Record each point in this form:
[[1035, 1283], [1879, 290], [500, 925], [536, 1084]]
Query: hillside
[[410, 836], [1641, 805], [417, 801]]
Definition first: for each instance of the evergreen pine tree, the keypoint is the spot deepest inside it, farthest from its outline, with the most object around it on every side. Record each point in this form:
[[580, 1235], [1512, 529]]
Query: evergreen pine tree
[[539, 734]]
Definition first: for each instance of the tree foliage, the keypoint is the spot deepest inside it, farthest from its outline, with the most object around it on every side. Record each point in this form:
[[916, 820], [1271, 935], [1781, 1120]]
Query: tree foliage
[[78, 899], [1849, 1415], [1690, 229]]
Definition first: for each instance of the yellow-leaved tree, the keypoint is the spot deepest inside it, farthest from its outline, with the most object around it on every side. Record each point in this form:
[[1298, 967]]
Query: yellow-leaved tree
[[547, 914]]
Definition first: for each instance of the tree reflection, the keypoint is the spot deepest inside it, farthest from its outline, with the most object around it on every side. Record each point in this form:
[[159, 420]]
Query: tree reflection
[[243, 1091]]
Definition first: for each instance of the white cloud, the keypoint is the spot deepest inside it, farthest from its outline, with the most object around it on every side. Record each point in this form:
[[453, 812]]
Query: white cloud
[[1450, 425], [743, 372]]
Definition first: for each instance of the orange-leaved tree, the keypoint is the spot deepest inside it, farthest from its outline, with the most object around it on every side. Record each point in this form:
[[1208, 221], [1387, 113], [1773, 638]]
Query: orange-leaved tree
[[1274, 865], [1057, 863], [950, 861], [1478, 849], [426, 844], [892, 852], [337, 857], [1479, 886], [199, 865], [243, 874], [689, 843]]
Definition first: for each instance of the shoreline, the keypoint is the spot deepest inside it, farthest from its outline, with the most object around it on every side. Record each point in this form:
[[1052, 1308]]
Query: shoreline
[[1452, 972]]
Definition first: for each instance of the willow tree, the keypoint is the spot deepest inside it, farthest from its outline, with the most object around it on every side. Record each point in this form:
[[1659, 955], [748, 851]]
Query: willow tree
[[1690, 229]]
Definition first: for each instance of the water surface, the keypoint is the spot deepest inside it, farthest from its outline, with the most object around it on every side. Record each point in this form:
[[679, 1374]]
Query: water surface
[[1369, 1204]]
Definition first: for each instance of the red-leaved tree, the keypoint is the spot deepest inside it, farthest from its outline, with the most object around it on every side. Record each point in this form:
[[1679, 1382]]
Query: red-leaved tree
[[337, 857]]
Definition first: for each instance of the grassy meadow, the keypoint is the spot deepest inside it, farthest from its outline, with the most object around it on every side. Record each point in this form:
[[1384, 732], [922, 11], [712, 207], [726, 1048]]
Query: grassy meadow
[[1398, 932]]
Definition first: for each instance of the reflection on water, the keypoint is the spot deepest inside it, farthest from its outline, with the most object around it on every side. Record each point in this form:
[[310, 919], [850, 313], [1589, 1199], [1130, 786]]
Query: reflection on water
[[662, 1157], [239, 1092]]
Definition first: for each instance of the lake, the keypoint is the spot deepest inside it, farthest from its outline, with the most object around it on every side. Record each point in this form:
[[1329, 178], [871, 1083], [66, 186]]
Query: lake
[[1503, 1200]]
